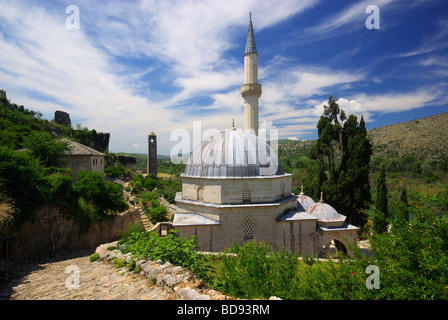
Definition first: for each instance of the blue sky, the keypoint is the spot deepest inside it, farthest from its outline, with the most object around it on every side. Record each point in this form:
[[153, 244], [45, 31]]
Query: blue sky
[[134, 67]]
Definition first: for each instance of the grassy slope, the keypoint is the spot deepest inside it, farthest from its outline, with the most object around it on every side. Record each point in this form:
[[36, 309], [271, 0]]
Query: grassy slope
[[424, 138]]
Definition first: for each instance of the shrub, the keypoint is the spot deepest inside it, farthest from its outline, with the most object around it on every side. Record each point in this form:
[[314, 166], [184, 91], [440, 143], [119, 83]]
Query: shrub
[[105, 196], [94, 257], [181, 252], [157, 214], [256, 271]]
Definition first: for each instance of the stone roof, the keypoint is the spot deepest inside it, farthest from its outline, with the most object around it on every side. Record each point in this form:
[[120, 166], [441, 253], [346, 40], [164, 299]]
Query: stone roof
[[304, 201], [294, 215], [78, 149], [324, 211], [192, 219], [233, 154]]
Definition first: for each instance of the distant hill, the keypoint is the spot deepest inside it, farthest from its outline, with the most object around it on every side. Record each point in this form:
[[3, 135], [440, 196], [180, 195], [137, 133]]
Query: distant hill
[[423, 138]]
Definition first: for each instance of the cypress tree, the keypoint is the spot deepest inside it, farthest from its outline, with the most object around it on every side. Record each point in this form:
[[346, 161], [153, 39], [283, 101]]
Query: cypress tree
[[346, 185], [404, 214], [380, 219]]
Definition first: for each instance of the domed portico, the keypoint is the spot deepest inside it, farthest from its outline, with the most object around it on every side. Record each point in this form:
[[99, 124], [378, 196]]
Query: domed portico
[[331, 229]]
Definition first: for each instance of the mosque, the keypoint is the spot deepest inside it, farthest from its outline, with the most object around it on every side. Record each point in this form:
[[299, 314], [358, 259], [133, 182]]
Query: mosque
[[235, 190]]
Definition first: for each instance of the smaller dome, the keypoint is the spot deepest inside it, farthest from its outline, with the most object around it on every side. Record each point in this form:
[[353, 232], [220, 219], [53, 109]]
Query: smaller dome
[[304, 200], [323, 211]]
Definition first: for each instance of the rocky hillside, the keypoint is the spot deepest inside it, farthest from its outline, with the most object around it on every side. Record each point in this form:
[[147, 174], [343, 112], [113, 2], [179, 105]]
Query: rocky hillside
[[424, 138]]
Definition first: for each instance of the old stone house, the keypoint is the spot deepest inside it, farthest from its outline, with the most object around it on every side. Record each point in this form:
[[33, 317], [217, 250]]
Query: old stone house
[[82, 157]]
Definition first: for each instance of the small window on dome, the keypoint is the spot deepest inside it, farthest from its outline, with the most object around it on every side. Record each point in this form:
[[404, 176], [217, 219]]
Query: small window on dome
[[247, 194]]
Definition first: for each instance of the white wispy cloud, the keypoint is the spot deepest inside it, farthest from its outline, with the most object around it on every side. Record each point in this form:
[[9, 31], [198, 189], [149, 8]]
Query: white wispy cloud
[[140, 66]]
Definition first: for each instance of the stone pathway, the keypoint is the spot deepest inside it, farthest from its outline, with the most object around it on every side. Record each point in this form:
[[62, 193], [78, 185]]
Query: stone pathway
[[100, 280]]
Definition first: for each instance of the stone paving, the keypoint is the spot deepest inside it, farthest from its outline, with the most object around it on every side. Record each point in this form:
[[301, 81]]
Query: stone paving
[[54, 279]]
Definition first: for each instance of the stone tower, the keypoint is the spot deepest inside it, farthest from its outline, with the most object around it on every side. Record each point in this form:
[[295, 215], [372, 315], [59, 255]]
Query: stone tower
[[152, 153], [251, 89]]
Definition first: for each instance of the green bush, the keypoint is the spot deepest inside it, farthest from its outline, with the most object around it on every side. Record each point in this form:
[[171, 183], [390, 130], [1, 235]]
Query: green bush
[[255, 271], [94, 257], [157, 214], [181, 252], [412, 260], [105, 196]]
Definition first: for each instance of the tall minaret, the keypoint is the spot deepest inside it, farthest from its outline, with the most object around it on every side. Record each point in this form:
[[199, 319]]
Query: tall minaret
[[251, 89]]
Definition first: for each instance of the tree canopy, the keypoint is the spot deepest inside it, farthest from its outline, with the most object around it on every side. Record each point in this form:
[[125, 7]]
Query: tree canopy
[[343, 153]]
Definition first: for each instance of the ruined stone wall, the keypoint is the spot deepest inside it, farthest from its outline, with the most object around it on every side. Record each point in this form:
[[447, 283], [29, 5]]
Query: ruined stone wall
[[51, 232]]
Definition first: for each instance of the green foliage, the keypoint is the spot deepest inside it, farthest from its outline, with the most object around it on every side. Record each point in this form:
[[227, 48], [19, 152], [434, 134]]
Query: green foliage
[[181, 252], [256, 271], [34, 177], [22, 180], [48, 150], [167, 166], [412, 257], [157, 214], [17, 123], [342, 155], [96, 140], [105, 196], [94, 257], [380, 220], [412, 261]]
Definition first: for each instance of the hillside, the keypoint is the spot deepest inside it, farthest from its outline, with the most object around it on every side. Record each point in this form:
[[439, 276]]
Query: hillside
[[423, 138]]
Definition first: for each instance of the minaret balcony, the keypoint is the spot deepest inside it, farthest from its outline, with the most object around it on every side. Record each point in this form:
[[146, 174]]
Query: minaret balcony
[[251, 89]]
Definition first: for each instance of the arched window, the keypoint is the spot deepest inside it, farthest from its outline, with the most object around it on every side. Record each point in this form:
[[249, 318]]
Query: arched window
[[248, 229], [247, 194], [201, 193]]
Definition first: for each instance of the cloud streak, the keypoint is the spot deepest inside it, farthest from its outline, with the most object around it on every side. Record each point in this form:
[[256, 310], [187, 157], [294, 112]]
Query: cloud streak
[[147, 65]]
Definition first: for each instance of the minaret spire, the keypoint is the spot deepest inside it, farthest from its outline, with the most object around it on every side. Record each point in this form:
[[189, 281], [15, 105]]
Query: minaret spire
[[251, 89], [250, 43]]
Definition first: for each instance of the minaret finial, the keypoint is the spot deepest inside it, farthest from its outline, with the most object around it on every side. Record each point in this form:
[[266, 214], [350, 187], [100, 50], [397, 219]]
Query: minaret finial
[[233, 124], [321, 197], [301, 192], [250, 15]]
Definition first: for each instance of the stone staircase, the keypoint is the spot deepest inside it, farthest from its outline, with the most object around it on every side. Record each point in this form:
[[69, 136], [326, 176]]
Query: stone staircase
[[145, 221]]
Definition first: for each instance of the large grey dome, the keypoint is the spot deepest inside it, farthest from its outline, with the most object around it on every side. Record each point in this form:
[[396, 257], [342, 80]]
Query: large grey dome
[[232, 154]]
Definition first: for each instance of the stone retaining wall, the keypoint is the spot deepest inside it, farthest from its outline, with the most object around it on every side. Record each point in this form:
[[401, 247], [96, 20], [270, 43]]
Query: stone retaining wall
[[180, 282], [51, 232]]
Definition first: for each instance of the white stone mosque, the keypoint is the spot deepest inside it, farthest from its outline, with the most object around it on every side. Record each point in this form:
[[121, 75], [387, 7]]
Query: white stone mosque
[[234, 190]]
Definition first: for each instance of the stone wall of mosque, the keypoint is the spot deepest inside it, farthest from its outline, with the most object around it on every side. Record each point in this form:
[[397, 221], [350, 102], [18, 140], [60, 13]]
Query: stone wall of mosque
[[242, 223], [256, 190]]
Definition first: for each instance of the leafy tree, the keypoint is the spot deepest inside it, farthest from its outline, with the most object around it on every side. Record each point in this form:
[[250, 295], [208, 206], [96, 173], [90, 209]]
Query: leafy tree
[[21, 180], [158, 214], [345, 182], [105, 196], [48, 150]]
